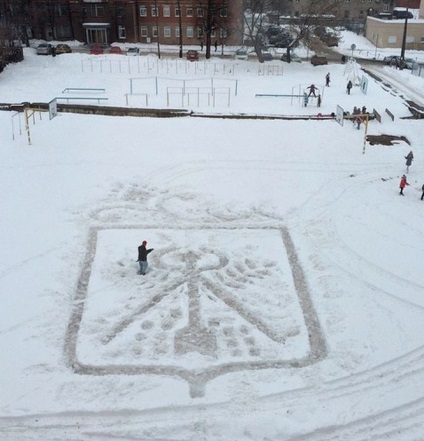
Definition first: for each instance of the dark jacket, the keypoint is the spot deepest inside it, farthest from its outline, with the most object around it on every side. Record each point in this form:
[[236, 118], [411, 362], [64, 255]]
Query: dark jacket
[[409, 157], [142, 253]]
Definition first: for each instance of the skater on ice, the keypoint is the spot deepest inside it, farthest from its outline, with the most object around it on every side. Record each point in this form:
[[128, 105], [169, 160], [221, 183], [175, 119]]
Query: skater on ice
[[348, 87], [142, 257], [327, 80]]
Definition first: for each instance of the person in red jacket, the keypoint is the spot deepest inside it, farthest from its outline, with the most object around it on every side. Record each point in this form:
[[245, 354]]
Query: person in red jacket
[[142, 257], [403, 184]]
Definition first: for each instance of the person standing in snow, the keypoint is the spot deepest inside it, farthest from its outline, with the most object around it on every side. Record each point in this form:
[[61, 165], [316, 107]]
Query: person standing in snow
[[142, 257], [327, 80], [348, 87], [403, 184], [422, 196], [409, 158]]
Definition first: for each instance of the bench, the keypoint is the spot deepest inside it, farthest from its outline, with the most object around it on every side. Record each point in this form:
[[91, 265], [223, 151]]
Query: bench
[[67, 98], [390, 114], [83, 89]]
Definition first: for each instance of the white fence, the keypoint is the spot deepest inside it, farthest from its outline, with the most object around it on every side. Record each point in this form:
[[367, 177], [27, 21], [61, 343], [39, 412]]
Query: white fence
[[166, 66]]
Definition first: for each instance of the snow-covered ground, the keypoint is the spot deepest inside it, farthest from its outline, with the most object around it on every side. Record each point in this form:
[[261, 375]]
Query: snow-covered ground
[[284, 297]]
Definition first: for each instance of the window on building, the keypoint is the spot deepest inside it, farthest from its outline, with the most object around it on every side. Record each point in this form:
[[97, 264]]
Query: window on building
[[143, 31], [199, 32], [167, 31], [200, 12], [189, 12], [213, 33], [391, 39], [155, 12], [177, 31], [422, 40], [223, 33], [63, 31], [166, 11], [346, 14], [190, 32], [120, 11], [97, 11], [154, 31], [385, 7], [347, 1], [143, 11], [122, 33], [177, 12], [61, 10], [223, 12], [410, 39]]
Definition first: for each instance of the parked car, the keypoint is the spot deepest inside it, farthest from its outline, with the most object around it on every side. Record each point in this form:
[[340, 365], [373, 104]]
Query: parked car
[[133, 51], [391, 59], [401, 14], [115, 50], [96, 49], [294, 58], [44, 49], [283, 40], [63, 48], [395, 60], [330, 40], [319, 60], [267, 56], [241, 54], [192, 55]]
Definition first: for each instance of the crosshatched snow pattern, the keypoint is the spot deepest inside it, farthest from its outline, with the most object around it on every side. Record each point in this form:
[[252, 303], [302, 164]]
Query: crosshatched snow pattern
[[201, 303]]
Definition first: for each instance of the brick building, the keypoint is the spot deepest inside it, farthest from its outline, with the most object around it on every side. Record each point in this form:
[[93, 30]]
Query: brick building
[[136, 21]]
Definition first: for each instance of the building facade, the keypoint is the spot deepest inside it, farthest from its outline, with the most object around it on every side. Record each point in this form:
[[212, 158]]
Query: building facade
[[136, 21], [389, 33]]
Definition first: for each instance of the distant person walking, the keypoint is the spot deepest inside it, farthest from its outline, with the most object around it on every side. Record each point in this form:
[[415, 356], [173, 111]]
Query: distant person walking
[[403, 183], [142, 257], [422, 196], [348, 87], [327, 80], [409, 158], [312, 88]]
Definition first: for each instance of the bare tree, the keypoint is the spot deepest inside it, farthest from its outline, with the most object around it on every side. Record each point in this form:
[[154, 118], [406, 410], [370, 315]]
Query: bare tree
[[255, 24], [315, 13], [214, 20]]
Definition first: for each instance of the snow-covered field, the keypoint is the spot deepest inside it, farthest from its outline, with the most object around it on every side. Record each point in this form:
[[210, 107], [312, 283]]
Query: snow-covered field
[[284, 297]]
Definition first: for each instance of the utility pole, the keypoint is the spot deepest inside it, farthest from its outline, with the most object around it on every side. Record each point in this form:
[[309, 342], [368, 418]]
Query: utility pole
[[405, 27]]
